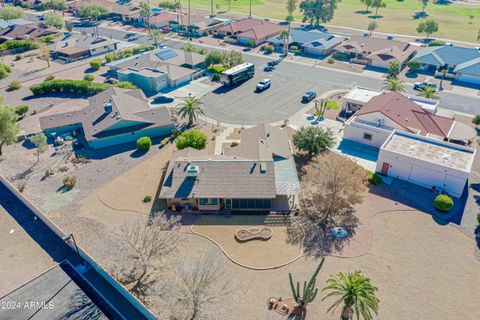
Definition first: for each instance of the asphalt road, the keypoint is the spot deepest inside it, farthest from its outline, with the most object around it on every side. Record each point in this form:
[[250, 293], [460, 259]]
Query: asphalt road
[[290, 80]]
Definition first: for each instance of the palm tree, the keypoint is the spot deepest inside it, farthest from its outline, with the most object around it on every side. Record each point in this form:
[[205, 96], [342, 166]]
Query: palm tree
[[356, 293], [191, 108], [285, 36], [428, 92], [393, 84], [145, 12], [291, 7], [155, 35]]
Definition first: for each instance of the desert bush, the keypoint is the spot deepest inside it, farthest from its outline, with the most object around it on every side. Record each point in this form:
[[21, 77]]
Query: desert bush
[[443, 202], [148, 198], [95, 64], [374, 178], [63, 169], [144, 144], [4, 70], [478, 218], [69, 182], [330, 60], [49, 78], [191, 139], [49, 172], [269, 49], [14, 85], [217, 69], [18, 57], [164, 142], [68, 86], [21, 110], [24, 45], [88, 77], [125, 85]]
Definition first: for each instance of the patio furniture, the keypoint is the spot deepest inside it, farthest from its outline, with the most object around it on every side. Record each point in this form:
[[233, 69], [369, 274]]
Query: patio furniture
[[244, 235]]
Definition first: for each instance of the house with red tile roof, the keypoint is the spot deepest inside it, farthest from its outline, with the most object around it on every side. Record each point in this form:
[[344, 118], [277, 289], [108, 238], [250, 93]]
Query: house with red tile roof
[[373, 123], [250, 30]]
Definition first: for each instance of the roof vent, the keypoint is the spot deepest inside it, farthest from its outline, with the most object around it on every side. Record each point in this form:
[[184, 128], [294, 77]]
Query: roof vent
[[107, 107], [193, 171]]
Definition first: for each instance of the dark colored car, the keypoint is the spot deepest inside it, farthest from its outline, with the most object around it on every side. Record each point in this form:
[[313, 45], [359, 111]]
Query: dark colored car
[[308, 96], [421, 85], [247, 49], [163, 98], [128, 35]]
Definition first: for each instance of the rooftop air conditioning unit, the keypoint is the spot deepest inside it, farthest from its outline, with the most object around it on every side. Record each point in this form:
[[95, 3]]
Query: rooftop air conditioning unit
[[193, 171], [107, 107]]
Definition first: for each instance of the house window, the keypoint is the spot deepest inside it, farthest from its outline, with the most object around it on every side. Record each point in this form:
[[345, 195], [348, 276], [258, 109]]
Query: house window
[[208, 201], [367, 136]]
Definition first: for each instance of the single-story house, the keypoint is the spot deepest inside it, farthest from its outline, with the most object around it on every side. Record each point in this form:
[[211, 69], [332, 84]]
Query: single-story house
[[258, 175], [249, 30], [199, 28], [461, 63], [25, 31], [159, 20], [314, 42], [373, 123], [115, 10], [14, 22], [77, 46], [376, 52], [441, 166], [159, 69], [112, 117]]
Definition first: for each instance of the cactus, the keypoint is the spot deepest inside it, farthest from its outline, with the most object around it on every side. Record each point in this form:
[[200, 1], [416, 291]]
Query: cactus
[[309, 292]]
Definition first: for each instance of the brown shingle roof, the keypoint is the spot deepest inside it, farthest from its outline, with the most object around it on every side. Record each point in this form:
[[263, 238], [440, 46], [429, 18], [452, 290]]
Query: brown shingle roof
[[407, 114]]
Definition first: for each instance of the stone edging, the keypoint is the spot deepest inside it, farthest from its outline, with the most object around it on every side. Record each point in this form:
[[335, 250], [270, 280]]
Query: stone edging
[[248, 266]]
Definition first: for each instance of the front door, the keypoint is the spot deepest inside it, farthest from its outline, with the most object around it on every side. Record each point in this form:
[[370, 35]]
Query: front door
[[385, 168]]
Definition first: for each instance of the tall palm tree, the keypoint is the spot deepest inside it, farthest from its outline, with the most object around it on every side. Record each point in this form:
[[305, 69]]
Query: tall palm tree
[[155, 35], [291, 7], [393, 84], [355, 292], [285, 36], [191, 108], [428, 92]]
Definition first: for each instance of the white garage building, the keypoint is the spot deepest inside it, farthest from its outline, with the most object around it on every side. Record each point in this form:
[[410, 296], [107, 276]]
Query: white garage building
[[441, 166]]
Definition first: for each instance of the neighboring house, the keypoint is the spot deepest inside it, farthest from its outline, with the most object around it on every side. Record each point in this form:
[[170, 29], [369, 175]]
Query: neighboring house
[[77, 46], [460, 63], [204, 26], [314, 43], [159, 69], [440, 166], [250, 30], [14, 22], [258, 175], [112, 117], [376, 52], [30, 31], [373, 123], [116, 11]]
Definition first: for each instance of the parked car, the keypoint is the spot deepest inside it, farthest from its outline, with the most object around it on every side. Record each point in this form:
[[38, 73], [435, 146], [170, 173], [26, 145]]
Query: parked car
[[268, 68], [247, 49], [163, 98], [421, 85], [130, 34], [308, 96], [166, 30], [264, 85]]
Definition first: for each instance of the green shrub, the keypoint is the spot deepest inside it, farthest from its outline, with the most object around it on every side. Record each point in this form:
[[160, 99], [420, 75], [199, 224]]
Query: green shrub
[[213, 57], [109, 57], [69, 182], [250, 44], [293, 48], [269, 49], [436, 43], [165, 141], [24, 45], [330, 60], [148, 198], [414, 64], [14, 85], [49, 78], [18, 57], [443, 202], [4, 70], [191, 139], [374, 178], [21, 110], [125, 85], [140, 49], [216, 77], [68, 86], [341, 56], [95, 64], [333, 105], [88, 77], [144, 144], [217, 69], [478, 218]]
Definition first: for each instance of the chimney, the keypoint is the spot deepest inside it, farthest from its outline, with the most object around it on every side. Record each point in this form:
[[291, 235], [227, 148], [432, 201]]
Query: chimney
[[107, 107]]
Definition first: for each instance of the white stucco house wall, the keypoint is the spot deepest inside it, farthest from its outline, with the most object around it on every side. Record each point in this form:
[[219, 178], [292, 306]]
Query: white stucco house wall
[[441, 166]]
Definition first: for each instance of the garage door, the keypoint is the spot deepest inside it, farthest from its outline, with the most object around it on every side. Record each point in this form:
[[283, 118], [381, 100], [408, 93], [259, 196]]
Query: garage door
[[469, 78], [426, 177]]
